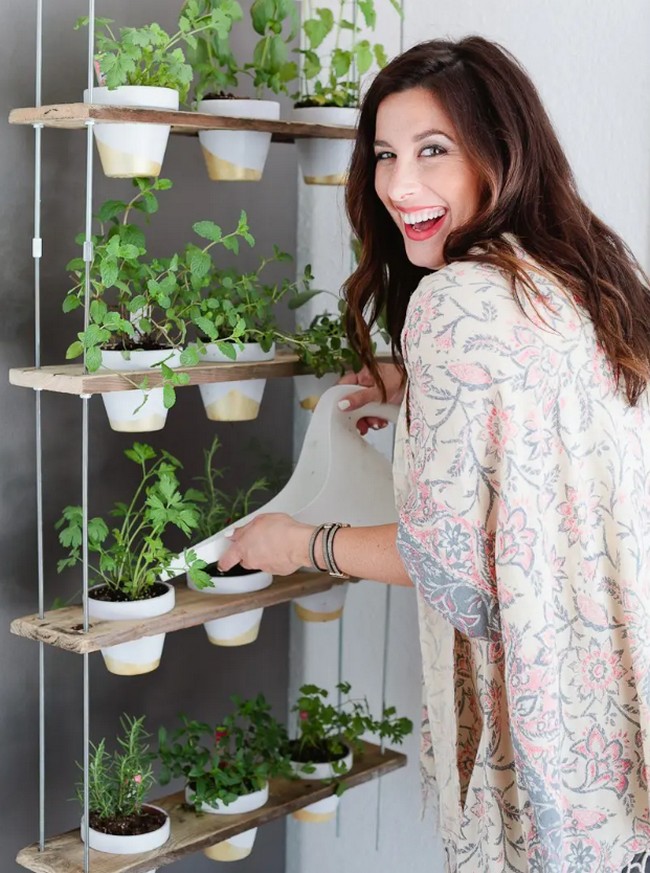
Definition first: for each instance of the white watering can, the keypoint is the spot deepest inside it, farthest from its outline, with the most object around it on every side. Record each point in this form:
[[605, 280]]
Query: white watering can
[[339, 475]]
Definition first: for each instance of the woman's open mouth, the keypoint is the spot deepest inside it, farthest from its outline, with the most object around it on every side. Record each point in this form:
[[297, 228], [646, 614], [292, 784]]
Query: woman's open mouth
[[424, 224]]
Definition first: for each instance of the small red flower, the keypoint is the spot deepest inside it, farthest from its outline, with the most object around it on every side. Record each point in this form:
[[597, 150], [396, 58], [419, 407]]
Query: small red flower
[[137, 778], [303, 715], [219, 735]]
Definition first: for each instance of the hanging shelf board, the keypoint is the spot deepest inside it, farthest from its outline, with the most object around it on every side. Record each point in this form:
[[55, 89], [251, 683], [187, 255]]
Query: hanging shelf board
[[192, 833], [71, 379], [75, 116], [63, 628]]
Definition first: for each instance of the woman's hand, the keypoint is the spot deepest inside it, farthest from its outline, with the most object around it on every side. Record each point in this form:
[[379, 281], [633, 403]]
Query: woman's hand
[[394, 382], [273, 543]]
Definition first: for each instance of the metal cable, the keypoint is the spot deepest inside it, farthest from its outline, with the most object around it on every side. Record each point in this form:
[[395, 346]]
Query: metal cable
[[339, 701], [36, 254], [88, 257]]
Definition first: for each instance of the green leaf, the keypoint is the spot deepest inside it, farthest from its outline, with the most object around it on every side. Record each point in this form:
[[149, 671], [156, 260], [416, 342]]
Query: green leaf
[[380, 56], [301, 298], [364, 56], [169, 396], [110, 209], [109, 271], [70, 303], [98, 310], [74, 350], [200, 262], [261, 15], [367, 9], [94, 358], [341, 61], [207, 230]]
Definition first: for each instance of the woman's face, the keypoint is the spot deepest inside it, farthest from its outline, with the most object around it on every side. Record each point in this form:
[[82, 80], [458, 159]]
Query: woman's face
[[422, 175]]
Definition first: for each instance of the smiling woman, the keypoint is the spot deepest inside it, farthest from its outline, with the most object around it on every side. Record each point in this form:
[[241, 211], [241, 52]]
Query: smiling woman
[[423, 176], [522, 461]]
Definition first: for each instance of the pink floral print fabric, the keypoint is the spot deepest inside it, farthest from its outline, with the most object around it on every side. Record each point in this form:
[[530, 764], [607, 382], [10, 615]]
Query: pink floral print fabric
[[523, 485]]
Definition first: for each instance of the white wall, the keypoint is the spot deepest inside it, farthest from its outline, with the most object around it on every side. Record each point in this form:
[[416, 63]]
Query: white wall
[[590, 61]]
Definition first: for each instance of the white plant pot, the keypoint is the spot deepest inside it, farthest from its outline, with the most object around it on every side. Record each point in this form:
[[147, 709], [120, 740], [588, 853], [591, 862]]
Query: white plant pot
[[237, 155], [324, 606], [244, 627], [128, 150], [323, 810], [325, 161], [239, 400], [238, 847], [309, 388], [137, 656], [118, 844], [137, 411]]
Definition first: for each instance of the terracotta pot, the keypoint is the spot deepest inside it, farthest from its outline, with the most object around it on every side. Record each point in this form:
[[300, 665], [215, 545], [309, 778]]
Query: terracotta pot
[[238, 400]]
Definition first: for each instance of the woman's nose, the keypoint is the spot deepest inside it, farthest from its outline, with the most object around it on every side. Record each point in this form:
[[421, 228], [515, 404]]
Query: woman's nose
[[404, 182]]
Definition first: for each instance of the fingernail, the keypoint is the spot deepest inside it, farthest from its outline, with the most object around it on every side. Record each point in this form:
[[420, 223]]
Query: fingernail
[[343, 405], [228, 533], [375, 426]]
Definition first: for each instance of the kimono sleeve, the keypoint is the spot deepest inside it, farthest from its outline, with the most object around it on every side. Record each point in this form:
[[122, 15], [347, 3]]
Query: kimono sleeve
[[464, 402]]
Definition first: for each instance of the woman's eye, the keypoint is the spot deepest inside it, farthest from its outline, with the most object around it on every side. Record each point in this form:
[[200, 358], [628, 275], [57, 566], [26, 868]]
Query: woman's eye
[[383, 156], [431, 151]]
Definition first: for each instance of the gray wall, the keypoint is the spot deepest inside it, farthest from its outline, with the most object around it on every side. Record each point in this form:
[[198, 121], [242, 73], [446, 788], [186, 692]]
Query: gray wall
[[194, 677]]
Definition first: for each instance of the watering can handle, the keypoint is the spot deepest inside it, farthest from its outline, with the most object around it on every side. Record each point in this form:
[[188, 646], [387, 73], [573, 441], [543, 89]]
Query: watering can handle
[[376, 410]]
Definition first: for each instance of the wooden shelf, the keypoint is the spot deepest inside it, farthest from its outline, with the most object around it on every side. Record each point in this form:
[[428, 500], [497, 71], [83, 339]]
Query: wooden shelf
[[70, 378], [63, 627], [75, 115], [191, 832]]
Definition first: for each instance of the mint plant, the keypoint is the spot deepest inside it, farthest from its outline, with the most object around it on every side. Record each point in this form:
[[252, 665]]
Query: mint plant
[[244, 304], [132, 555], [119, 783], [325, 731], [149, 55], [216, 508], [214, 66], [236, 757], [333, 78], [322, 345], [271, 67], [138, 303]]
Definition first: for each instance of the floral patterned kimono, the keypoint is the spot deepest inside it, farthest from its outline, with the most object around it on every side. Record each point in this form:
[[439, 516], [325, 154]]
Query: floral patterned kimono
[[523, 481]]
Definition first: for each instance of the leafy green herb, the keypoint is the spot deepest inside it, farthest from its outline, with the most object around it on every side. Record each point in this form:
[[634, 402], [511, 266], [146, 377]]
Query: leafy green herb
[[223, 762], [132, 555], [119, 783], [332, 77], [149, 55], [325, 729]]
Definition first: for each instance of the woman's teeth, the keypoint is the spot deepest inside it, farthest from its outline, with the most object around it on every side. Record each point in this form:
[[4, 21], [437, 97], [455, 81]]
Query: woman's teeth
[[423, 215]]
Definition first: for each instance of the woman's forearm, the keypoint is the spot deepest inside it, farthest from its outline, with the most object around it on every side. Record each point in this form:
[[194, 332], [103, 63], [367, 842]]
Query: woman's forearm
[[360, 552]]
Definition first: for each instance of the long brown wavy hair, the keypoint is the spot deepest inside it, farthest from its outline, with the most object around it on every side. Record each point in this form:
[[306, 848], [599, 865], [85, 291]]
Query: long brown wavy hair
[[527, 189]]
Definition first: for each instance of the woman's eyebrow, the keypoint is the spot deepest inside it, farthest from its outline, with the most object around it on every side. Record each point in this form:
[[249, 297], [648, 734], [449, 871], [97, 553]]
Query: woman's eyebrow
[[380, 143]]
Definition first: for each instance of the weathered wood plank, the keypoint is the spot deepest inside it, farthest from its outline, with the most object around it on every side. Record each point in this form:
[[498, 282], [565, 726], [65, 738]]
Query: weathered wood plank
[[191, 832], [70, 378], [75, 116], [63, 628]]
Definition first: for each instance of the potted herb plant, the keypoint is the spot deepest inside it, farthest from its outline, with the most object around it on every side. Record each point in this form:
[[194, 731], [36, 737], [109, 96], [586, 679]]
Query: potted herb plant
[[141, 67], [330, 84], [140, 308], [216, 511], [132, 555], [240, 155], [322, 347], [227, 767], [242, 301], [120, 821], [328, 736]]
